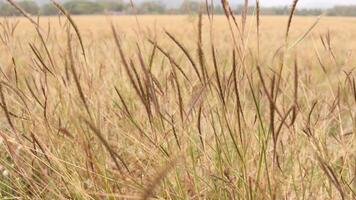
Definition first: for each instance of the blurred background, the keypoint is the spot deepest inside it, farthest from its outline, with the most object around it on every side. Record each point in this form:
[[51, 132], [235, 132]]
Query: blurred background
[[125, 7]]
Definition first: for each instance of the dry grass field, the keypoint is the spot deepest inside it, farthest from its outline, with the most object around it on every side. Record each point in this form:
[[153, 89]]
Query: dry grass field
[[177, 107]]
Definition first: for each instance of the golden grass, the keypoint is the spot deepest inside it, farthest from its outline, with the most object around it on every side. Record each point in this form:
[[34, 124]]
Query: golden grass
[[177, 118]]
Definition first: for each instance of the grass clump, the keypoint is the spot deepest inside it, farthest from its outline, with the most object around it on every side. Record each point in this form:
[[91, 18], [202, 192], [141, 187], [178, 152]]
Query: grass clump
[[219, 115]]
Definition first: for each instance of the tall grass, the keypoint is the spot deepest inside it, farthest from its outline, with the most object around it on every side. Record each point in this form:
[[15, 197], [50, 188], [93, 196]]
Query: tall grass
[[167, 118]]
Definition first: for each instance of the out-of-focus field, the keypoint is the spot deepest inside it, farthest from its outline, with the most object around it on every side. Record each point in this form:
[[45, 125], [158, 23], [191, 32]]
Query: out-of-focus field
[[273, 28], [96, 31], [118, 117]]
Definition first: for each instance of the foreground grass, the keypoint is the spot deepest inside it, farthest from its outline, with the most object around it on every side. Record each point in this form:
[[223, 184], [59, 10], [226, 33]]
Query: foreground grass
[[220, 114]]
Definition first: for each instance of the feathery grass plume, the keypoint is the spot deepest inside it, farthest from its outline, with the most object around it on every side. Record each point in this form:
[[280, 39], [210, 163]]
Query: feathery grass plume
[[207, 9], [15, 71], [5, 108], [310, 114], [305, 34], [232, 136], [137, 126], [197, 97], [123, 59], [175, 132], [277, 134], [200, 126], [320, 60], [217, 76], [296, 86], [8, 29], [137, 80], [44, 44], [179, 93], [152, 57], [41, 148], [149, 191], [126, 108], [151, 94], [225, 5], [264, 86], [258, 27], [330, 50], [229, 13], [138, 87], [236, 87], [112, 153], [75, 74], [171, 60], [330, 174], [279, 76], [33, 93], [23, 12], [271, 107], [200, 50], [39, 57], [349, 186], [244, 19], [185, 51], [19, 93], [212, 5], [71, 21], [144, 93], [240, 112], [235, 22], [291, 14], [149, 81], [354, 88], [139, 27]]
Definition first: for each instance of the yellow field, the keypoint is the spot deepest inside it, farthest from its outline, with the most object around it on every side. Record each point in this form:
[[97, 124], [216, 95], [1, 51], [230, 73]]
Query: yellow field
[[96, 30], [177, 118]]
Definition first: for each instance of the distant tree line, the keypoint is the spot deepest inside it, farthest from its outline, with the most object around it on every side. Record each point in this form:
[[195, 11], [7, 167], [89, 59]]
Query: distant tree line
[[75, 7], [90, 7]]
